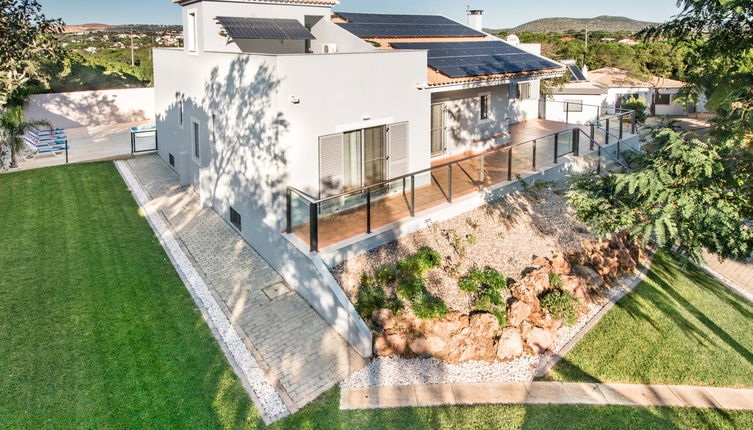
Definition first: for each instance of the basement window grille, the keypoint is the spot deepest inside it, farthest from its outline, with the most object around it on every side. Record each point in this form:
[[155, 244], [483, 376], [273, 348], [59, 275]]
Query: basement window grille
[[171, 160], [235, 218]]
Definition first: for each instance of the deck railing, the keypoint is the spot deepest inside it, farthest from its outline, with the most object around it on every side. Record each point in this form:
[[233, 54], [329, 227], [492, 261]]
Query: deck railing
[[403, 196]]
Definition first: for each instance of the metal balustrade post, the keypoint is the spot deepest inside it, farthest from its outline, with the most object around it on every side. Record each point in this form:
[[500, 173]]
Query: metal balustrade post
[[556, 144], [622, 125], [133, 143], [606, 135], [598, 114], [509, 165], [449, 183], [598, 160], [413, 195], [576, 142], [368, 211], [289, 211], [633, 127], [314, 226], [593, 137], [481, 173], [567, 113], [534, 153]]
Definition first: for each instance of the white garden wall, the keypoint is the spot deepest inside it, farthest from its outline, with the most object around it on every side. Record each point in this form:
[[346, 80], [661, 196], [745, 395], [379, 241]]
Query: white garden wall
[[92, 108]]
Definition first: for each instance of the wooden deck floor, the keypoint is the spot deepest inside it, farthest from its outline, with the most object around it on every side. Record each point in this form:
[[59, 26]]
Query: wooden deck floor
[[433, 189]]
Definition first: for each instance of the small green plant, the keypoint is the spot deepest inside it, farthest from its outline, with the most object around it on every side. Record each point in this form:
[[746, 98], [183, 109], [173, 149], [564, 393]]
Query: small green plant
[[428, 306], [472, 239], [555, 280], [487, 285], [409, 287], [421, 262], [371, 297], [560, 305], [386, 275]]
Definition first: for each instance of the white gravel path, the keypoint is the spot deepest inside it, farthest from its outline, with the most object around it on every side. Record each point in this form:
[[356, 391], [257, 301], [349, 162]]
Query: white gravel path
[[267, 400], [399, 371]]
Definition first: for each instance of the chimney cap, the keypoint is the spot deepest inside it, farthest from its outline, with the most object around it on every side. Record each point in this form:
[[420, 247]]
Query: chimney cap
[[475, 12]]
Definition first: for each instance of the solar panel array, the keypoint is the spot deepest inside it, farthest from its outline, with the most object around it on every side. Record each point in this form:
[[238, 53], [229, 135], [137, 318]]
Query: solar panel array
[[465, 59], [384, 25], [264, 28], [577, 74]]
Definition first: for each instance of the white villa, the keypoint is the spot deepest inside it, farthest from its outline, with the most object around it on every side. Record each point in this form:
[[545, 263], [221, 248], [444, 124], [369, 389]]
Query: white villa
[[312, 130]]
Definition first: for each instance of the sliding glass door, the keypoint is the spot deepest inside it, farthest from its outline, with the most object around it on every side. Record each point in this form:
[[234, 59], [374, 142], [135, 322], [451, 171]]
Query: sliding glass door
[[437, 129], [364, 158]]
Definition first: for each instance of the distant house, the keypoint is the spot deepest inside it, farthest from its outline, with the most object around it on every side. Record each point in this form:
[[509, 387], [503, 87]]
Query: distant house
[[567, 39], [628, 41], [610, 87]]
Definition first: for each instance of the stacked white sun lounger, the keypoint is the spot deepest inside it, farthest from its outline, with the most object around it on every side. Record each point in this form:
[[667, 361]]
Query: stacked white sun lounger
[[45, 142]]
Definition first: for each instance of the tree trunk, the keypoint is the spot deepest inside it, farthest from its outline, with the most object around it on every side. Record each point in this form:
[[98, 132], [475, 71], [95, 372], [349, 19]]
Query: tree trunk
[[13, 163]]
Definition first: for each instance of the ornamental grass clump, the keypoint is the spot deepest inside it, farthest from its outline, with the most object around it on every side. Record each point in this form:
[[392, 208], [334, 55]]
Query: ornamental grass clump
[[487, 287], [371, 297]]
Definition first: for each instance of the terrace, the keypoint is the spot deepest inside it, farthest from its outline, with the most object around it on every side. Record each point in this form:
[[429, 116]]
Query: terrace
[[537, 145]]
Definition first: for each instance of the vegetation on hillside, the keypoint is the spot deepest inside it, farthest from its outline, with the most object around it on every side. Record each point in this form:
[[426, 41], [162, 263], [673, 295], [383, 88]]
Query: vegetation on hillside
[[562, 25]]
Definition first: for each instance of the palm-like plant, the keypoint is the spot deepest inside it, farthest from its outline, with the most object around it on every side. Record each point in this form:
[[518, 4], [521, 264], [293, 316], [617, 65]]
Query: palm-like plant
[[13, 126]]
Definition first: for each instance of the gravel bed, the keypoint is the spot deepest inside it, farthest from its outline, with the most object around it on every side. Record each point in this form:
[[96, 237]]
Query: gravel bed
[[399, 371], [508, 233]]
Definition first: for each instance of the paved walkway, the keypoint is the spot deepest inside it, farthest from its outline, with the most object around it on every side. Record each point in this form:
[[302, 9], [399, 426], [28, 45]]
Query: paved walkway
[[299, 352], [738, 272], [536, 393]]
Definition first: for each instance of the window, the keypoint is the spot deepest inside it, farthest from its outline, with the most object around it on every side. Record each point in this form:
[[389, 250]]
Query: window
[[437, 129], [196, 140], [364, 157], [484, 107], [171, 160], [524, 91], [235, 219], [191, 32], [663, 99], [573, 106]]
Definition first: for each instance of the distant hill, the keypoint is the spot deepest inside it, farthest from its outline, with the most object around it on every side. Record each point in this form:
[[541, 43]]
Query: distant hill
[[92, 28], [561, 25]]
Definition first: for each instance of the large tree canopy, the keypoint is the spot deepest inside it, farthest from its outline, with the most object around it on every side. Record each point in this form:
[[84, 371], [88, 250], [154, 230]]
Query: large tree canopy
[[26, 39], [689, 193]]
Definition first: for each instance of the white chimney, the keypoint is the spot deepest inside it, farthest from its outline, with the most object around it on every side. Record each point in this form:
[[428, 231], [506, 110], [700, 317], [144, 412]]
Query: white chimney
[[475, 19], [585, 71]]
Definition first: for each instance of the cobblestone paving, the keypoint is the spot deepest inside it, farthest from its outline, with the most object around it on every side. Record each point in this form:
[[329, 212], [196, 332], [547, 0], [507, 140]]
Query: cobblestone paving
[[300, 352]]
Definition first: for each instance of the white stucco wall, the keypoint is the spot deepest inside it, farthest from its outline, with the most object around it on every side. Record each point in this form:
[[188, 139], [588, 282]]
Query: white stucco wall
[[555, 108], [523, 110], [92, 108], [464, 128]]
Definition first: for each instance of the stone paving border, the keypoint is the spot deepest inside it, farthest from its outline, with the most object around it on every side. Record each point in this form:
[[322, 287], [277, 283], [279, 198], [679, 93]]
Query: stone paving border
[[547, 393], [726, 282], [265, 397]]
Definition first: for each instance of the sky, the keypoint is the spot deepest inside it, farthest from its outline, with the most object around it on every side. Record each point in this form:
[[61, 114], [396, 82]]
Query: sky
[[497, 13]]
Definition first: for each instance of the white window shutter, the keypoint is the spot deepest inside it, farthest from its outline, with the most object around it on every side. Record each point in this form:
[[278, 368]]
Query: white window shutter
[[331, 173], [398, 149]]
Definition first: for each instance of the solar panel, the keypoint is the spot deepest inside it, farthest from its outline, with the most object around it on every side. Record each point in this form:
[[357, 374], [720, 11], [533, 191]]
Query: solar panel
[[577, 74], [464, 59], [385, 25], [264, 28]]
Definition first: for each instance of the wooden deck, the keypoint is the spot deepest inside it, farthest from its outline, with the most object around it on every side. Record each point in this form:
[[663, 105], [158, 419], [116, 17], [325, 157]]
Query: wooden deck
[[433, 189]]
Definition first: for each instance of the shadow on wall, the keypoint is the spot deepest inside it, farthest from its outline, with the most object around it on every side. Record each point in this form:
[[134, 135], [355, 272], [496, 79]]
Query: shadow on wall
[[92, 108]]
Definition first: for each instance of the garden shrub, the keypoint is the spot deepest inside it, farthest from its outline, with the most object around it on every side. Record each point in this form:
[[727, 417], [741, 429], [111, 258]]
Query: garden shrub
[[409, 287], [484, 304], [371, 297], [421, 262], [386, 275], [639, 106], [560, 305], [427, 306], [487, 286], [555, 280], [471, 282]]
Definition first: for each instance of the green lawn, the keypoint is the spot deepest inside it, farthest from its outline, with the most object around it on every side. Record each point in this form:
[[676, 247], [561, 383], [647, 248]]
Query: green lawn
[[96, 328], [679, 327], [97, 331]]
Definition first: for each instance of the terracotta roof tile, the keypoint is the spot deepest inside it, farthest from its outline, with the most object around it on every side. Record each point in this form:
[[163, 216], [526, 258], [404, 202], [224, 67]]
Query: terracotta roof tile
[[618, 78]]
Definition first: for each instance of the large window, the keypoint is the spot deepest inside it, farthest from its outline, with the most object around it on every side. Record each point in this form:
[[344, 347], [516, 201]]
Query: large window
[[437, 129], [663, 99], [524, 91], [191, 32], [484, 107], [364, 157]]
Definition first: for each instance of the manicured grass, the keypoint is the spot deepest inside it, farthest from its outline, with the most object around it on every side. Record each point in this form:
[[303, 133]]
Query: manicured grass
[[324, 414], [96, 328], [679, 327]]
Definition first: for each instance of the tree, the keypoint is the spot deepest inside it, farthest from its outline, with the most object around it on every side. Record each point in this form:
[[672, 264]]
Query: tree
[[13, 126], [639, 106], [688, 193], [26, 39]]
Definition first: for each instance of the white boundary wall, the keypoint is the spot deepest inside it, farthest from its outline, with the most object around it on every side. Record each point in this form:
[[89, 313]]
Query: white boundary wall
[[92, 108]]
